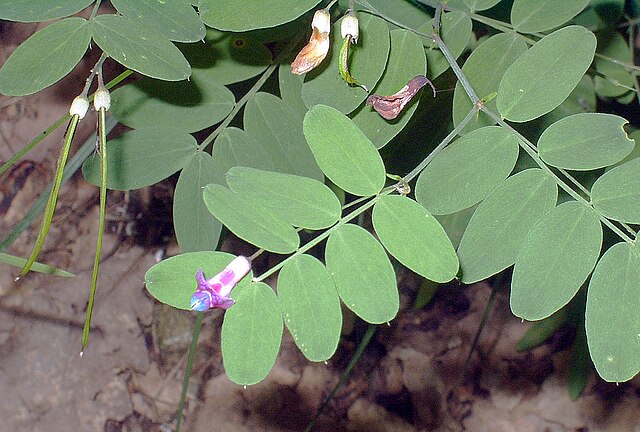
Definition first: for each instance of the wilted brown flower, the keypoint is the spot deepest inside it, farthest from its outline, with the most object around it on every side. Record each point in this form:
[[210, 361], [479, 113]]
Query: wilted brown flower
[[316, 50], [390, 107]]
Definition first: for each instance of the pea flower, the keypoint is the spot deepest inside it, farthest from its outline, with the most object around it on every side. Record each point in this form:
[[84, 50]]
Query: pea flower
[[350, 32], [390, 107], [316, 50], [214, 292]]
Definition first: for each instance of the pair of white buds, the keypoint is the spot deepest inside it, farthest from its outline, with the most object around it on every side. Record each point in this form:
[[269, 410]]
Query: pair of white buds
[[80, 105]]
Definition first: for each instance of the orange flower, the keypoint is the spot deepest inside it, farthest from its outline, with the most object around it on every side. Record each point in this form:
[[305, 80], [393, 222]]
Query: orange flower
[[316, 50]]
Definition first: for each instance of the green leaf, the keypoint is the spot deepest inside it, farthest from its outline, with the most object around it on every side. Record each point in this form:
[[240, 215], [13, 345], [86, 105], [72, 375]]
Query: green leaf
[[402, 11], [45, 58], [40, 10], [406, 60], [176, 20], [455, 224], [196, 104], [611, 317], [581, 100], [537, 16], [484, 69], [238, 16], [173, 281], [139, 48], [343, 152], [367, 63], [251, 221], [616, 194], [291, 88], [142, 157], [415, 238], [251, 334], [310, 306], [580, 365], [235, 147], [466, 171], [363, 275], [546, 74], [557, 256], [585, 142], [278, 128], [617, 79], [36, 266], [501, 222], [301, 201], [196, 229], [480, 5], [228, 57], [455, 31]]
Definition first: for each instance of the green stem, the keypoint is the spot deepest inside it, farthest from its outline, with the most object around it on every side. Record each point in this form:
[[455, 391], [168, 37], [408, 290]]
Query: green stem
[[102, 137], [325, 234], [371, 330], [187, 373], [53, 197], [530, 149]]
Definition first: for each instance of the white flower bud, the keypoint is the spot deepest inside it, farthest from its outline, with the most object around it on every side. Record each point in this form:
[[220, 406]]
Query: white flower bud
[[102, 99], [349, 27], [321, 21], [79, 106]]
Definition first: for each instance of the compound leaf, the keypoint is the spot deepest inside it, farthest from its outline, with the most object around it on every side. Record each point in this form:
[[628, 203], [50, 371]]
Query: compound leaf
[[542, 15], [617, 192], [40, 10]]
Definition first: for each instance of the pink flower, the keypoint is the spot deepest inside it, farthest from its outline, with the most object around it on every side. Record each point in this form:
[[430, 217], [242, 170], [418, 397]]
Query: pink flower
[[214, 292]]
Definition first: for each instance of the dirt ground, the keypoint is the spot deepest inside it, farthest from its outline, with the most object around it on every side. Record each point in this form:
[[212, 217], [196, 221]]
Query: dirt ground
[[413, 376]]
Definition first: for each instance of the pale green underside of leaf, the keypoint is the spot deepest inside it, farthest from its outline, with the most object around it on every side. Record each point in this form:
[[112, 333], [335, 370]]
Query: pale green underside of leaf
[[406, 61], [251, 221], [611, 319], [197, 103], [362, 273], [466, 171], [251, 334], [544, 76], [585, 142], [367, 62], [557, 256], [176, 20], [237, 16], [310, 306], [45, 58], [343, 152], [196, 228], [40, 10], [139, 48], [142, 157], [415, 238], [301, 201], [484, 69], [541, 15], [617, 193], [173, 281], [278, 129], [499, 225]]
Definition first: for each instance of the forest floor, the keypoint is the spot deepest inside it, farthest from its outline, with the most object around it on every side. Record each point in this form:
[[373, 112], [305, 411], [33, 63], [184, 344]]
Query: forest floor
[[414, 375]]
